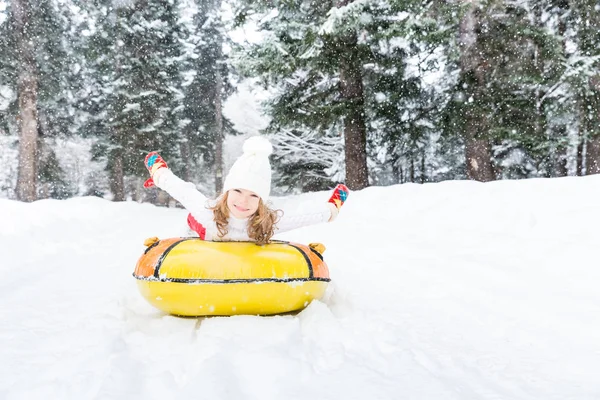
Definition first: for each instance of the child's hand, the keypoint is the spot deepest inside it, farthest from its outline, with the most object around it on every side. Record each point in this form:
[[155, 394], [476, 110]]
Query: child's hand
[[153, 162], [337, 199], [339, 196]]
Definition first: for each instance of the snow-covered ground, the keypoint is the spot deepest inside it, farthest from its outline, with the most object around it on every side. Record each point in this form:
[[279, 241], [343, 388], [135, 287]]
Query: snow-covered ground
[[455, 290]]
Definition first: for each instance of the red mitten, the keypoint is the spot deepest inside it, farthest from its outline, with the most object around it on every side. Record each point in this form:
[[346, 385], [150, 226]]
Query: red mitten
[[153, 162], [339, 196], [196, 226]]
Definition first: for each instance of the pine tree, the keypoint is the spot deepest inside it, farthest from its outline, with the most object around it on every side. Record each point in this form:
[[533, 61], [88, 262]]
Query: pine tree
[[134, 56], [312, 55], [8, 72], [343, 68], [585, 81], [550, 142], [403, 110], [500, 103], [205, 90], [27, 89], [52, 82]]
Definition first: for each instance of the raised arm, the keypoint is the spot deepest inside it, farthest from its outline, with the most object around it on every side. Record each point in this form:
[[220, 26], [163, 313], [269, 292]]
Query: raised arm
[[295, 217], [298, 216], [182, 191]]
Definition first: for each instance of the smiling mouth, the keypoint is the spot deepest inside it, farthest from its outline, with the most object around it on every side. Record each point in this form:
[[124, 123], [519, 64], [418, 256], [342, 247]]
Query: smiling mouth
[[242, 209]]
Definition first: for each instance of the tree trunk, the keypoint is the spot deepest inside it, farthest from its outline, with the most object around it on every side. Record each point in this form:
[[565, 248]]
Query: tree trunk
[[583, 145], [218, 132], [477, 147], [592, 156], [352, 93], [560, 158], [117, 179], [218, 107], [592, 121], [423, 177], [27, 88], [580, 151], [396, 171], [478, 154], [186, 158], [588, 42], [545, 163]]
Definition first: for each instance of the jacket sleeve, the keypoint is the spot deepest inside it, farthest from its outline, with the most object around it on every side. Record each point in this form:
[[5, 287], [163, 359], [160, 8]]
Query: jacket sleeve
[[298, 217], [184, 192]]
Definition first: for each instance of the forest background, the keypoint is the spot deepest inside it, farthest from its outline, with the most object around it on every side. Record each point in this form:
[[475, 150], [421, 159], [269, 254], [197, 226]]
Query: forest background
[[369, 92]]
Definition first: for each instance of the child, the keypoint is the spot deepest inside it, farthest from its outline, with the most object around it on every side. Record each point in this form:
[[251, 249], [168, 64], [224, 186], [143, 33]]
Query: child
[[241, 212]]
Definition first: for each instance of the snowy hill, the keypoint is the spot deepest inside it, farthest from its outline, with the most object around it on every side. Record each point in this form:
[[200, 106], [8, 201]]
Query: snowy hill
[[456, 290]]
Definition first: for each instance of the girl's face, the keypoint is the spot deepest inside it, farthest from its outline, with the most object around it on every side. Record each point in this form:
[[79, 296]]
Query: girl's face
[[242, 203]]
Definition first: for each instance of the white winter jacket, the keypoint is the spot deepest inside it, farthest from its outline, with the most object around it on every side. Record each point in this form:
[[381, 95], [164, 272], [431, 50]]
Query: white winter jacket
[[237, 230]]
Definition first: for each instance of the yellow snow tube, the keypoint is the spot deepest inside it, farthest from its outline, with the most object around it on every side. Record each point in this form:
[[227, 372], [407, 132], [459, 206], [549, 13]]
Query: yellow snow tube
[[193, 277]]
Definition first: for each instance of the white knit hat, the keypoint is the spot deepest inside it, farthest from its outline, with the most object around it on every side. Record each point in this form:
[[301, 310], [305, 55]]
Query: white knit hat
[[252, 170]]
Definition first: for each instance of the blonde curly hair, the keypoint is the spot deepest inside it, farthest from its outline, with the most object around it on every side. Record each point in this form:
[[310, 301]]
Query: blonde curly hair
[[261, 225]]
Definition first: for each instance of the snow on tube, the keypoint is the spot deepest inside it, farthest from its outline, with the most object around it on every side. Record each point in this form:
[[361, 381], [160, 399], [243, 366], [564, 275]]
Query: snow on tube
[[194, 277]]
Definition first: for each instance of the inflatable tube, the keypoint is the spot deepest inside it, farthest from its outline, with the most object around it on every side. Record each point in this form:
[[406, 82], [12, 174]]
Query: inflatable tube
[[193, 277]]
